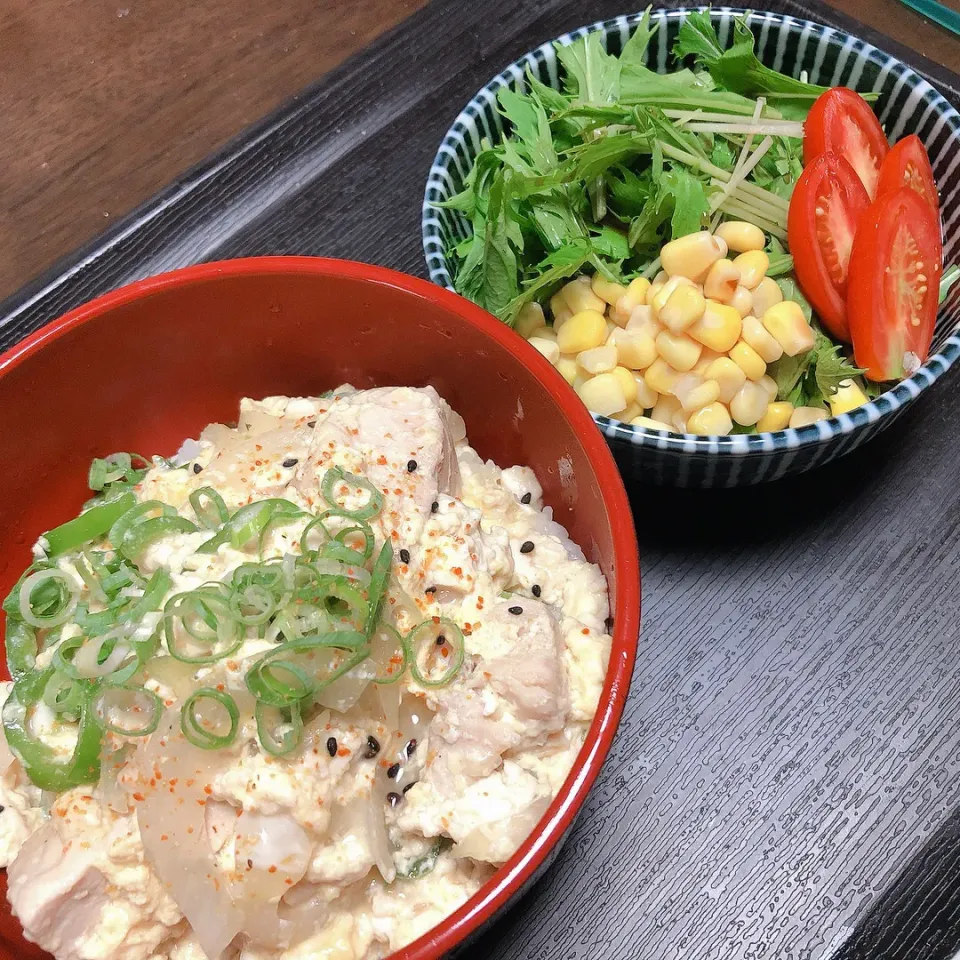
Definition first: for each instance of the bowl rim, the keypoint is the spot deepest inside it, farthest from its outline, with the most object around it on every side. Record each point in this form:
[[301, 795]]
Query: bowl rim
[[522, 868], [734, 446]]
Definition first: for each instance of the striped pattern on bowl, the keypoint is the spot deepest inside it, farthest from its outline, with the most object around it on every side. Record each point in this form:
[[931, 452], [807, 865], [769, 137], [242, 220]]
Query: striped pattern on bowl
[[907, 104]]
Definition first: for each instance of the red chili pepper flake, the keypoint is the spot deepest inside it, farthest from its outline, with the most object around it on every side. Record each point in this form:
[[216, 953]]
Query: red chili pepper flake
[[271, 869], [221, 687], [138, 797], [174, 781], [586, 631], [382, 460], [189, 829], [208, 790], [201, 803], [164, 837], [257, 445], [343, 752], [190, 783]]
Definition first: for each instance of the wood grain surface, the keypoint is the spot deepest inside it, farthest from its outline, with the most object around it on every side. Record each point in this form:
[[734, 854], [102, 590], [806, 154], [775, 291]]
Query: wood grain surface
[[103, 102]]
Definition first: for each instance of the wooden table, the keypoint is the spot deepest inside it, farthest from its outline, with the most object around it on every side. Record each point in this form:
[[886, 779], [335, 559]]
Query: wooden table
[[102, 102]]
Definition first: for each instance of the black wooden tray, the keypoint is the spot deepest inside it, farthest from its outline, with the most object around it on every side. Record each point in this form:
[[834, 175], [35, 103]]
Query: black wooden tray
[[786, 783]]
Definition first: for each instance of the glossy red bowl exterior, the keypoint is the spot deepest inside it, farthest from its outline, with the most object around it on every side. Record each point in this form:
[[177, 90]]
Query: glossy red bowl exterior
[[148, 365]]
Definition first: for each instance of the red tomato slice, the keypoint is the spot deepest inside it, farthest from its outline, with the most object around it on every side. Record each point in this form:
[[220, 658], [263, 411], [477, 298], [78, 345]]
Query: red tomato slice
[[842, 121], [825, 208], [895, 284], [907, 165]]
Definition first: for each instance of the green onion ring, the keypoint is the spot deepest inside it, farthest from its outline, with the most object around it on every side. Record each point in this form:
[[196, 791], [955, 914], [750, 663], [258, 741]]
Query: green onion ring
[[191, 727], [378, 587], [224, 635], [103, 706], [288, 716], [137, 514], [42, 607], [256, 596], [432, 629], [337, 475], [139, 536], [63, 695], [153, 594], [212, 513], [90, 525], [391, 640]]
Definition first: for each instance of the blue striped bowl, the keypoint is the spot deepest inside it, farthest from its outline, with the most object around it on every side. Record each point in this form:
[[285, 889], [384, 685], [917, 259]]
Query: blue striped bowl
[[908, 104]]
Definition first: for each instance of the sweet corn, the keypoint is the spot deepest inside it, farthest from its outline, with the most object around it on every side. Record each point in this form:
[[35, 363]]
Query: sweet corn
[[729, 377], [567, 368], [649, 423], [600, 359], [660, 376], [627, 383], [757, 335], [635, 349], [652, 292], [548, 348], [694, 392], [679, 350], [776, 418], [748, 360], [662, 277], [529, 319], [752, 266], [544, 333], [741, 236], [683, 308], [765, 294], [579, 296], [770, 385], [646, 397], [582, 331], [559, 305], [603, 394], [804, 416], [580, 379], [634, 296], [789, 326], [607, 290], [848, 397], [710, 421], [667, 410], [718, 328], [665, 291], [742, 300], [559, 319], [722, 281], [628, 413], [642, 319], [691, 256], [707, 356], [750, 404]]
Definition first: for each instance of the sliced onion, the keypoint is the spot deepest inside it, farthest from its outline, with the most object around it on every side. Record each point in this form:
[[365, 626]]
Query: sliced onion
[[86, 660], [337, 569], [346, 690], [377, 836]]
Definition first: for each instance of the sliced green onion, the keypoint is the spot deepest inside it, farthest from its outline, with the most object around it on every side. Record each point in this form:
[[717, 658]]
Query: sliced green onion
[[146, 532], [20, 641], [433, 663], [116, 468], [355, 529], [88, 658], [47, 598], [197, 729], [90, 525], [336, 475], [63, 695], [203, 616], [254, 605], [249, 522], [279, 729], [378, 586], [269, 575], [389, 653], [340, 553], [153, 594], [339, 597], [137, 514], [129, 711], [278, 519], [211, 513], [90, 579]]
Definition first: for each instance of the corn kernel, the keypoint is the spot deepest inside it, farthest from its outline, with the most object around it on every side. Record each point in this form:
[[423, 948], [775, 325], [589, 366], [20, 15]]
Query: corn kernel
[[548, 348], [643, 321], [627, 383], [770, 385], [607, 290], [718, 328], [582, 331], [804, 416], [741, 236], [667, 410], [580, 297], [729, 377], [710, 421], [544, 333], [683, 307], [652, 292], [559, 319], [567, 368], [662, 277], [660, 376], [611, 326], [580, 379], [646, 397], [765, 294], [750, 404], [558, 304], [637, 291], [742, 300], [848, 397], [665, 291], [757, 335], [600, 359], [630, 411], [649, 423], [752, 266], [635, 350], [694, 392], [529, 319], [679, 350], [691, 256], [721, 281], [789, 326], [748, 360], [603, 394], [776, 418]]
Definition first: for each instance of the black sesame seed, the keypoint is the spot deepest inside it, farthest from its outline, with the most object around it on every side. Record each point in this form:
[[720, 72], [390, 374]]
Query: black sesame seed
[[332, 746], [430, 590], [516, 611], [526, 546], [197, 468], [290, 462], [404, 556], [411, 466], [409, 785], [393, 770], [535, 590], [393, 799], [526, 498], [441, 640], [311, 423], [411, 746], [249, 864], [434, 507], [608, 623], [373, 747]]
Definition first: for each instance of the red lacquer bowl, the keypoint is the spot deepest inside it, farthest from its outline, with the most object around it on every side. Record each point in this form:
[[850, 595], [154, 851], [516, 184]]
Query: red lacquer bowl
[[151, 364]]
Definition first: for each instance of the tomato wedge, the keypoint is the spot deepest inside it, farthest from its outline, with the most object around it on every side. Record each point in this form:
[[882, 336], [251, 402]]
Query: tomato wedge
[[907, 165], [825, 208], [842, 121], [894, 284]]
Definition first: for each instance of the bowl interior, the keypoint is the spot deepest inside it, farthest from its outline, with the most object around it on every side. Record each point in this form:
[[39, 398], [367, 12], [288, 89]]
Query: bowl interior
[[152, 364], [907, 104]]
